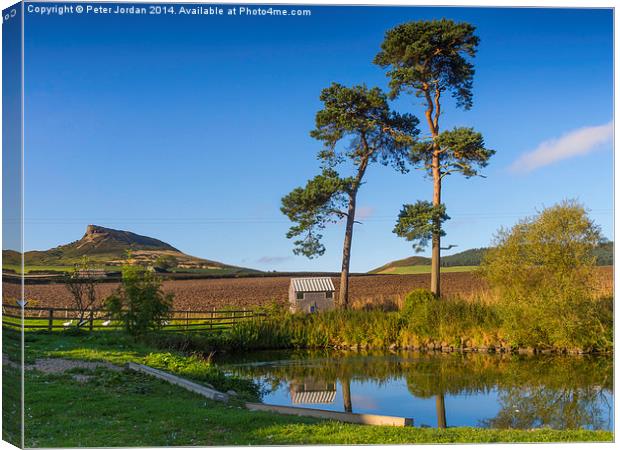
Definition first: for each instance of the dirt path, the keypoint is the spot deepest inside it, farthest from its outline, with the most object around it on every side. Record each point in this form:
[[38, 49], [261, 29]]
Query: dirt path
[[60, 365]]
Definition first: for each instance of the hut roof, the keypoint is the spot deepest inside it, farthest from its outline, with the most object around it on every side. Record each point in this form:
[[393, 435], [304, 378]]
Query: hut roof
[[313, 396], [316, 284]]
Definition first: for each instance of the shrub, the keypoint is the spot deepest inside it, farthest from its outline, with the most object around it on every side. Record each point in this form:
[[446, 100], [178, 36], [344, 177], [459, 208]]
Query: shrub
[[416, 300], [139, 303], [542, 271], [166, 262]]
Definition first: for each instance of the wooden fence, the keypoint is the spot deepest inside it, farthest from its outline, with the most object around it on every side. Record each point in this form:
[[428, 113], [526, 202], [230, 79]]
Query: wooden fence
[[63, 318]]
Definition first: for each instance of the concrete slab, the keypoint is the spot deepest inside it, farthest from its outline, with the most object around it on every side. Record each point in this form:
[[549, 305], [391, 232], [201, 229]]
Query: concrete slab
[[173, 379], [366, 419]]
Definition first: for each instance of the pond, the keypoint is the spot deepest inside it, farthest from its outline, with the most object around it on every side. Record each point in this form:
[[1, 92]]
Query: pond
[[458, 389]]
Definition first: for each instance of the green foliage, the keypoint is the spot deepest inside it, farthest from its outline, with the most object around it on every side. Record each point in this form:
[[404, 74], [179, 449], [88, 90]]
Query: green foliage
[[416, 299], [433, 53], [542, 270], [461, 150], [362, 117], [312, 208], [417, 223], [451, 322], [424, 321], [139, 303], [166, 262]]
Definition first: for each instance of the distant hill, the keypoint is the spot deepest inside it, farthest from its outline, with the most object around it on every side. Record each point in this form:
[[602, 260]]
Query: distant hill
[[109, 247], [472, 257], [605, 254]]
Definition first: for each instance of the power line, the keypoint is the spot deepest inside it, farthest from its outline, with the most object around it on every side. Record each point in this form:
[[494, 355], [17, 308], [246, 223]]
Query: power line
[[261, 220]]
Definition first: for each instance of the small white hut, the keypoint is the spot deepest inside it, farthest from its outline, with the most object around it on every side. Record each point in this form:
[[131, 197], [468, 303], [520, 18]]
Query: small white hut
[[311, 294]]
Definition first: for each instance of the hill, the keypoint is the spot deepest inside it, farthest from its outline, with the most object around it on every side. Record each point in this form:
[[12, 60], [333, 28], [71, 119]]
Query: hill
[[109, 247], [472, 257]]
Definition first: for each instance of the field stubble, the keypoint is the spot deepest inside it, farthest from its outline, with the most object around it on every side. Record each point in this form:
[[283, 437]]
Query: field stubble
[[366, 291]]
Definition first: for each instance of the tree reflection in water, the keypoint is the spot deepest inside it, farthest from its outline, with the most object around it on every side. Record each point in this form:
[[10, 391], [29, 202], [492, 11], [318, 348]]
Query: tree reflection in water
[[532, 391], [559, 409]]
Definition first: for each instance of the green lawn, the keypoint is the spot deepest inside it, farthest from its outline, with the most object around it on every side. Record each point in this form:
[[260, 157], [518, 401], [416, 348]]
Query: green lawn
[[407, 270]]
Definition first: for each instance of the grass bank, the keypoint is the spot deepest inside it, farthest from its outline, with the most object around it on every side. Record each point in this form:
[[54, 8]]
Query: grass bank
[[424, 323], [109, 408]]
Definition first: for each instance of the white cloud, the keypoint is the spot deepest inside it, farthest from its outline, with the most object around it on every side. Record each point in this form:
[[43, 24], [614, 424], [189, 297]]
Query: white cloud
[[574, 143]]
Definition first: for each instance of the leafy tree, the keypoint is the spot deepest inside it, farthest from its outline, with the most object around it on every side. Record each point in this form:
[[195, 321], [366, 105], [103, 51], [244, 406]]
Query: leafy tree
[[82, 286], [542, 269], [373, 133], [428, 59], [322, 201], [139, 303], [419, 222], [166, 262]]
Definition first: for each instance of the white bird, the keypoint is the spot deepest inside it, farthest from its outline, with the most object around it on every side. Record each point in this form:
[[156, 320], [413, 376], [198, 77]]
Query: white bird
[[68, 324], [106, 323], [83, 322], [165, 322]]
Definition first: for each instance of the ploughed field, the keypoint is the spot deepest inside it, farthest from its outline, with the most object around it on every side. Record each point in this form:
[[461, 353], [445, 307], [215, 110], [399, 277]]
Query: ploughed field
[[387, 290]]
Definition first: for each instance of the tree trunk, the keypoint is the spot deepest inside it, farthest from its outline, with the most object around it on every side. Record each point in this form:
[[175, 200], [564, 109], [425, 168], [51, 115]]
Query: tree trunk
[[441, 411], [436, 241], [343, 298], [346, 395], [433, 106]]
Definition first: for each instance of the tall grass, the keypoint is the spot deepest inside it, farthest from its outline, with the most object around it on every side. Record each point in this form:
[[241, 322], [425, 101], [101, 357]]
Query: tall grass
[[430, 323]]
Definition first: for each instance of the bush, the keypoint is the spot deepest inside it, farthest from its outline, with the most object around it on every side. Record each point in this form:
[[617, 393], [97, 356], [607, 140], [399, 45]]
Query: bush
[[166, 262], [139, 302], [542, 270], [417, 300]]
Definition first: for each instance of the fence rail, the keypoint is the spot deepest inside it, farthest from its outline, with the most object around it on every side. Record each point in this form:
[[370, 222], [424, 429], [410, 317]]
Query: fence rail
[[63, 318]]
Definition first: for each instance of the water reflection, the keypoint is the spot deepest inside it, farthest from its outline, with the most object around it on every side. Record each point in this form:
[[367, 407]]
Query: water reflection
[[311, 391], [499, 391]]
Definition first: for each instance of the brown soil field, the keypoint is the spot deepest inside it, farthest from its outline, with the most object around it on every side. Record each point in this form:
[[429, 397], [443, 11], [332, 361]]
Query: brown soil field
[[373, 290]]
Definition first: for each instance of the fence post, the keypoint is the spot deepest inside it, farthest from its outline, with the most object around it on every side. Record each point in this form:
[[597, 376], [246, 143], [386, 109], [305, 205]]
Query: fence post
[[50, 320], [90, 320], [212, 318], [186, 320]]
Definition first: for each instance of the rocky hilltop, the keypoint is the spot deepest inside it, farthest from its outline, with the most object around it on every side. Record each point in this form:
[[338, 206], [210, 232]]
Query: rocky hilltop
[[99, 238]]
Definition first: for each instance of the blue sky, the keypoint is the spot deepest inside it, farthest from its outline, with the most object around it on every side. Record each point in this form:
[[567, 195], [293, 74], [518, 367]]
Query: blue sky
[[190, 129]]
